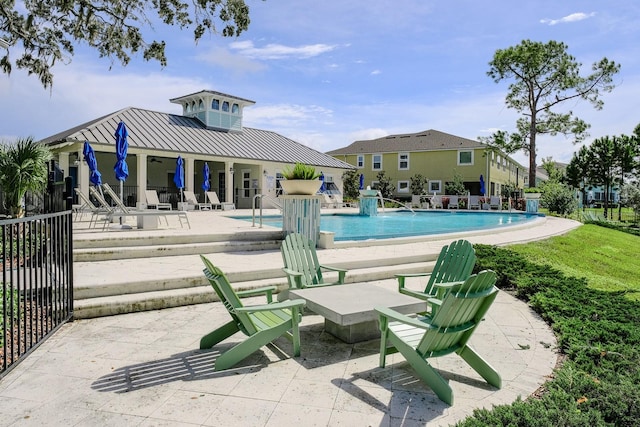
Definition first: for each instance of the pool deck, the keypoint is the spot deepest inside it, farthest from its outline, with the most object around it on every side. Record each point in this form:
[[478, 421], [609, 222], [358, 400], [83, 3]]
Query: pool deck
[[145, 369]]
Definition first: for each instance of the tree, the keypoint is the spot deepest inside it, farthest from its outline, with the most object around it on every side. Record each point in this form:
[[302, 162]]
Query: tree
[[47, 31], [351, 184], [417, 184], [601, 161], [625, 151], [558, 198], [630, 195], [576, 172], [545, 76], [23, 167], [385, 186], [455, 187]]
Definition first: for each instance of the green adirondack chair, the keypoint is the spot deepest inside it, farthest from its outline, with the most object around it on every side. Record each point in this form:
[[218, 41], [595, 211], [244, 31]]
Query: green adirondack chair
[[261, 323], [301, 263], [454, 264], [448, 331]]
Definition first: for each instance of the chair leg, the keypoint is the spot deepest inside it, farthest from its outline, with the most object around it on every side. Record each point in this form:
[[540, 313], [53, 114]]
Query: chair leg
[[295, 330], [220, 334], [249, 346], [480, 365]]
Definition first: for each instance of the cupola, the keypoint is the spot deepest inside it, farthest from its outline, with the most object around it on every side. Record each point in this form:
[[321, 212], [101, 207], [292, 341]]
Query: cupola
[[215, 109]]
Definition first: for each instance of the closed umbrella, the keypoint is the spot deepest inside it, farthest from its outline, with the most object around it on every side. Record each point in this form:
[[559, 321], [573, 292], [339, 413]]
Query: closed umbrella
[[121, 169], [206, 177], [361, 181], [482, 185], [323, 186], [178, 178], [90, 157]]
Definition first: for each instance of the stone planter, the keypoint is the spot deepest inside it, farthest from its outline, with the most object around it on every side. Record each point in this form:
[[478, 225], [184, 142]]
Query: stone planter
[[532, 196], [300, 186], [369, 193]]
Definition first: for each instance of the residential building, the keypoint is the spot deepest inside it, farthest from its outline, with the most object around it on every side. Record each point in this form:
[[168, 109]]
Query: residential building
[[435, 155], [243, 162]]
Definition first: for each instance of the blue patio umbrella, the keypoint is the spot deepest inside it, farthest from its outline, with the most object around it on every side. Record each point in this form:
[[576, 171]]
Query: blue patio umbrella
[[206, 176], [122, 145], [178, 178], [361, 181], [90, 157], [323, 186], [482, 192]]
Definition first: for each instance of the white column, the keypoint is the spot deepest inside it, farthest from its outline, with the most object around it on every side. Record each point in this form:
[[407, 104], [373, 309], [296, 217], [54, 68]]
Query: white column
[[141, 165], [228, 168], [63, 163], [189, 172], [83, 175]]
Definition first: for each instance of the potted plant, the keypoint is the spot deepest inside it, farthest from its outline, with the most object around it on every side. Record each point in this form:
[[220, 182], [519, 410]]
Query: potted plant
[[301, 179], [532, 193]]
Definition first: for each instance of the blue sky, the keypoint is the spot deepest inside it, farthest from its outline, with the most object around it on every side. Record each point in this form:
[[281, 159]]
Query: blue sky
[[328, 73]]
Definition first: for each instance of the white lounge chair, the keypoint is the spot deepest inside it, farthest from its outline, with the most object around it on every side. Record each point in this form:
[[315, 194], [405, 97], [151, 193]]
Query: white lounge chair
[[436, 202], [453, 202], [87, 204], [495, 203], [213, 199], [191, 199], [474, 202], [153, 200]]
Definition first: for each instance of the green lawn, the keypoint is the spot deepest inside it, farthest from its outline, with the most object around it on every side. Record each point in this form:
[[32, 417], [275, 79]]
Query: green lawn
[[609, 259]]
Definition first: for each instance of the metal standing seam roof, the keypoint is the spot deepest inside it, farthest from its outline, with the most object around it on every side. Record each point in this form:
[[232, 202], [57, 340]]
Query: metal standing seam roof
[[429, 140], [176, 133]]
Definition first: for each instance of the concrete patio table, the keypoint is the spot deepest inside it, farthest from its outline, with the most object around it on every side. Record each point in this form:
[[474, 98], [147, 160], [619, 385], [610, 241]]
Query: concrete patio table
[[348, 310]]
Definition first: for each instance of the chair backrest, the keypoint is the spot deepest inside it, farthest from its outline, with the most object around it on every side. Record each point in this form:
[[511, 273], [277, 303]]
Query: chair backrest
[[453, 200], [85, 199], [190, 197], [461, 311], [152, 197], [228, 297], [213, 197], [494, 201], [116, 199], [299, 254], [454, 264], [100, 198]]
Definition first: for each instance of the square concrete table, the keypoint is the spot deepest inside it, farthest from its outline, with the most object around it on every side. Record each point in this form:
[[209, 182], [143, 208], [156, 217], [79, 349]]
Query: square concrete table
[[348, 310]]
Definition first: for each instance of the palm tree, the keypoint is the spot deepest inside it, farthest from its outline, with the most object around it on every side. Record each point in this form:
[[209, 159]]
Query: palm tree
[[23, 167]]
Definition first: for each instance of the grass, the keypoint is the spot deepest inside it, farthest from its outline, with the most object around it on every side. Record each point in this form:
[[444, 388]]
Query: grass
[[608, 259]]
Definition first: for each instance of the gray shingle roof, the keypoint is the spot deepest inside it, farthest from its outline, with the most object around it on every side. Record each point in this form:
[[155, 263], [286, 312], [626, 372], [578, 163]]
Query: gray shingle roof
[[421, 141], [176, 133]]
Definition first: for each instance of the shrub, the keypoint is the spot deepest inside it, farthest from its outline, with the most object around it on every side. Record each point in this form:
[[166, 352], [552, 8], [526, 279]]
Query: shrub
[[558, 198]]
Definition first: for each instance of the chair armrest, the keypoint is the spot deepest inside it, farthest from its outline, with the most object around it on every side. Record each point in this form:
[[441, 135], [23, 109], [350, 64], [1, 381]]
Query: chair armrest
[[295, 275], [267, 290], [388, 313], [292, 303], [442, 288], [416, 294], [341, 272], [402, 276]]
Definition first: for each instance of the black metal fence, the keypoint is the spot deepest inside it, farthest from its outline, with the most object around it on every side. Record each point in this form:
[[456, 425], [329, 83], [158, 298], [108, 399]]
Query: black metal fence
[[36, 294]]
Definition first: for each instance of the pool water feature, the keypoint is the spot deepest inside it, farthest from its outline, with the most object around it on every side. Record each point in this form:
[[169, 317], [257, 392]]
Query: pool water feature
[[394, 224]]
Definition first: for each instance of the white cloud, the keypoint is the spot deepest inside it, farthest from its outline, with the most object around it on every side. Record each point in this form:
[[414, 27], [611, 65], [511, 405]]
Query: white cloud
[[574, 17], [278, 51], [223, 58], [286, 115], [376, 72]]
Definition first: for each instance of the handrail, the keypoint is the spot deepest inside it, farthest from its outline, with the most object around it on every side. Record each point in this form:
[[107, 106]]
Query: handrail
[[253, 214], [382, 199]]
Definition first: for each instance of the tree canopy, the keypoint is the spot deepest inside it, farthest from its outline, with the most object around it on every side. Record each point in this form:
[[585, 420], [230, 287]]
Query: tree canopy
[[45, 32], [543, 76]]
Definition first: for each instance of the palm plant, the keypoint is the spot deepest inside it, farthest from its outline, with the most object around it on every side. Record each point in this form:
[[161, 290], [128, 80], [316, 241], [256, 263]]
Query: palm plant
[[23, 167]]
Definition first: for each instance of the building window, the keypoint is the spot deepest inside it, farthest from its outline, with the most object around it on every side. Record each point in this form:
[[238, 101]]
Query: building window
[[215, 104], [193, 106], [235, 109], [188, 108], [225, 106], [246, 183], [403, 186], [376, 162], [360, 161], [435, 186], [465, 158], [375, 185], [200, 105], [403, 161]]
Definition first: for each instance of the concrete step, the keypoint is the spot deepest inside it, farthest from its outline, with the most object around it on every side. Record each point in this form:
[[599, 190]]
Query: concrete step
[[148, 251]]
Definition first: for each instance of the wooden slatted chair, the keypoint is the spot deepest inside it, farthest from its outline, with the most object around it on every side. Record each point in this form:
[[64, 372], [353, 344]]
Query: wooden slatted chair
[[446, 332], [301, 264], [261, 323], [454, 264]]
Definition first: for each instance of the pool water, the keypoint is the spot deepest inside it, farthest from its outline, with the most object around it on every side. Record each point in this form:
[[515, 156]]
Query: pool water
[[393, 224]]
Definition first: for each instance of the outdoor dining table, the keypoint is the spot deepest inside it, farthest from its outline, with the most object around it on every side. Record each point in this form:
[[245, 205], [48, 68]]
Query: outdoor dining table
[[348, 310]]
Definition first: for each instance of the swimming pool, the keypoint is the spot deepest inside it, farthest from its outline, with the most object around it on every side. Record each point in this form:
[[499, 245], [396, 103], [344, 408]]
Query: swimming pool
[[392, 224]]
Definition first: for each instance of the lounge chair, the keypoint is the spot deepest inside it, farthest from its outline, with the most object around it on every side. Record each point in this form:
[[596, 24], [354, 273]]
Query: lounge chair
[[331, 201], [153, 200], [261, 323], [301, 264], [436, 202], [454, 264], [474, 202], [191, 199], [495, 203], [447, 331], [213, 200], [453, 202], [87, 204], [123, 211]]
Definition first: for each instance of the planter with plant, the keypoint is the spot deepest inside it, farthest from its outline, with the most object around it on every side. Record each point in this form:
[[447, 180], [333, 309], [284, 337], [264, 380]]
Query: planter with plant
[[532, 193], [301, 179]]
